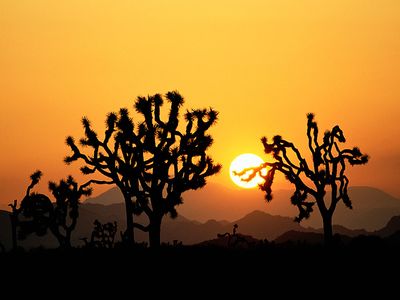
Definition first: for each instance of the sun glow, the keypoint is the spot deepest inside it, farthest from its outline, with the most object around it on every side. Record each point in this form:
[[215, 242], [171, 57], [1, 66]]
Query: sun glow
[[241, 162]]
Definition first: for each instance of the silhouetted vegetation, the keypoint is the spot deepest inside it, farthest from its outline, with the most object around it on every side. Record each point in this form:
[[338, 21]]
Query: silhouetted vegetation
[[103, 235], [152, 163], [33, 215], [66, 209], [357, 255], [234, 239], [36, 213], [327, 169]]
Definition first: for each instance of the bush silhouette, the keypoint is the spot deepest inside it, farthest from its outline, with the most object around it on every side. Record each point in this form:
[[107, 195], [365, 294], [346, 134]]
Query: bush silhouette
[[152, 163], [103, 235], [327, 169]]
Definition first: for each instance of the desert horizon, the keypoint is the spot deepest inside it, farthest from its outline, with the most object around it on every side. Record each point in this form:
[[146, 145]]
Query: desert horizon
[[172, 141], [263, 65]]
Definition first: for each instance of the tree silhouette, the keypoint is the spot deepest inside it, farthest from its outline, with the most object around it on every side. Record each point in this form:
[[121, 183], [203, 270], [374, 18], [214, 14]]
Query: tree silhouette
[[152, 163], [37, 214], [234, 239], [103, 235], [36, 210], [327, 170], [66, 208]]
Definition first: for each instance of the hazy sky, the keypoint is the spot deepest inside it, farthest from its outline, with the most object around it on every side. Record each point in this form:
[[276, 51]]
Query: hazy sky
[[262, 64]]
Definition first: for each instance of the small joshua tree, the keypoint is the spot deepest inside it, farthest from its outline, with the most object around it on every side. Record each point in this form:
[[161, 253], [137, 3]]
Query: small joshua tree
[[33, 215], [325, 171], [152, 163], [66, 210], [37, 214]]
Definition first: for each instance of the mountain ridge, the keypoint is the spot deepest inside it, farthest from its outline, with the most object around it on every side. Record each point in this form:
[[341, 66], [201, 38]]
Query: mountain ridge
[[255, 225], [375, 212], [372, 206]]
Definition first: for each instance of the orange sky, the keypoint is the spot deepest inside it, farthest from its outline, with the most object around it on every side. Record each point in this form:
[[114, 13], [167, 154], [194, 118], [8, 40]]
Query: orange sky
[[262, 64]]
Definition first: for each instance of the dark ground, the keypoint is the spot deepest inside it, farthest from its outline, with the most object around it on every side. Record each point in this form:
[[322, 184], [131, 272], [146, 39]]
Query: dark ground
[[365, 266]]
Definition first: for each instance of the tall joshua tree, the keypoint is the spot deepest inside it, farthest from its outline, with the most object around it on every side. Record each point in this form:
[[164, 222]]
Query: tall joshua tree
[[324, 174], [154, 162], [66, 209]]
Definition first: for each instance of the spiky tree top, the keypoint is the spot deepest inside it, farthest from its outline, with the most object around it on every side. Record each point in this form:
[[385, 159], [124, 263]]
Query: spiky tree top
[[67, 194], [36, 208], [153, 160], [326, 169], [35, 205]]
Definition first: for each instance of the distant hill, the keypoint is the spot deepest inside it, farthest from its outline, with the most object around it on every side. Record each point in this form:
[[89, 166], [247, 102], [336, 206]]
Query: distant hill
[[257, 224], [298, 236], [215, 201], [316, 236], [390, 232], [262, 225], [391, 227], [371, 207], [111, 196], [339, 229], [238, 241]]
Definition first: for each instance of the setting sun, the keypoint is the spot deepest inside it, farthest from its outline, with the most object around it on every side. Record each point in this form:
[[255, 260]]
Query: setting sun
[[243, 161]]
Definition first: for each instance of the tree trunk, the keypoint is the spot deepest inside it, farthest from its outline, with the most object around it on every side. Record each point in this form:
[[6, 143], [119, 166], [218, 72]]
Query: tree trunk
[[67, 241], [328, 232], [129, 234], [155, 232], [63, 241], [69, 230]]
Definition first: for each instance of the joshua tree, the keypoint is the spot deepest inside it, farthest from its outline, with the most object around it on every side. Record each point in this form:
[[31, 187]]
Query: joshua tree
[[154, 163], [325, 173], [37, 213], [234, 239], [36, 210], [67, 195]]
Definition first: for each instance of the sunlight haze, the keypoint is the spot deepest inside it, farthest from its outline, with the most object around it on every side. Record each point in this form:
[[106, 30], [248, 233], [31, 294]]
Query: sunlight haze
[[262, 64]]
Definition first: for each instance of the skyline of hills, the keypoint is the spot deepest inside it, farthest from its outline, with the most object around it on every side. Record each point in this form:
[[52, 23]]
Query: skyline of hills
[[372, 207], [214, 210], [255, 225]]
